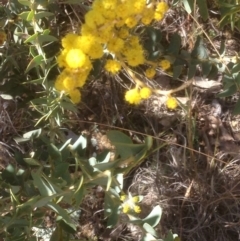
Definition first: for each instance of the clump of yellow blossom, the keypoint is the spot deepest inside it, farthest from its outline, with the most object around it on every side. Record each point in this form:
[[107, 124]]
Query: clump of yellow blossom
[[150, 72], [112, 66], [145, 92], [70, 41], [75, 58], [123, 32], [165, 64], [90, 46], [171, 103], [133, 96], [131, 22], [161, 9], [3, 38], [75, 95], [107, 30], [148, 16], [134, 57], [115, 45]]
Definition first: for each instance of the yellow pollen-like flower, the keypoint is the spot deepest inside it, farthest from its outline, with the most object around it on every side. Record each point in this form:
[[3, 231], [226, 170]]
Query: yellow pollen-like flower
[[133, 96], [75, 96], [124, 10], [115, 45], [112, 66], [148, 16], [75, 58], [70, 41], [150, 73], [134, 41], [162, 7], [135, 57], [171, 103], [158, 16], [145, 92], [138, 6], [131, 22], [123, 33], [90, 46], [94, 19], [165, 64], [61, 59]]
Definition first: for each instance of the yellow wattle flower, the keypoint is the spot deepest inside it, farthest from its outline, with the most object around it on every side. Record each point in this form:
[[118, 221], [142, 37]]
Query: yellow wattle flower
[[75, 96], [145, 92], [171, 103], [133, 96], [112, 66], [150, 73], [165, 64]]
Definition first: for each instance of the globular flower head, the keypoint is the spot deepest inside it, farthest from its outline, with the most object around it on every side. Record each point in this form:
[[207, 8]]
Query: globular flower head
[[134, 41], [124, 10], [112, 66], [61, 59], [135, 57], [105, 34], [75, 95], [59, 83], [145, 92], [90, 46], [138, 6], [123, 32], [115, 45], [104, 5], [131, 21], [70, 41], [158, 16], [147, 16], [162, 7], [150, 72], [75, 58], [171, 103], [133, 96], [133, 51], [165, 64], [94, 19]]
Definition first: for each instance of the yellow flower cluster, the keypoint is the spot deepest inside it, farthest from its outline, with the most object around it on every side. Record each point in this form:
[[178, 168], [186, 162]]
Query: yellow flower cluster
[[134, 96], [150, 72], [3, 38], [165, 64], [129, 204], [107, 30], [161, 9], [171, 103]]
